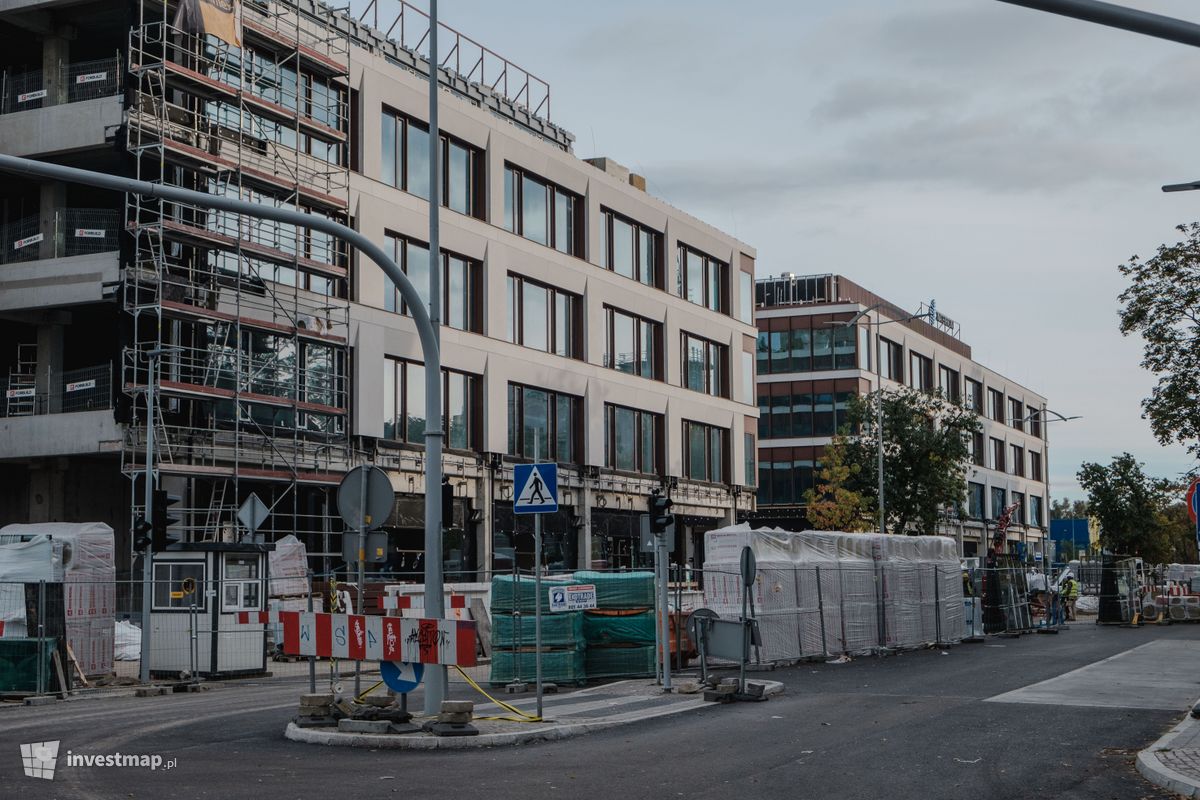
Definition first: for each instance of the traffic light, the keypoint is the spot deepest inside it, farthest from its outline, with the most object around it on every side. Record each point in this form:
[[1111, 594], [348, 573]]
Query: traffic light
[[141, 533], [661, 517], [160, 520]]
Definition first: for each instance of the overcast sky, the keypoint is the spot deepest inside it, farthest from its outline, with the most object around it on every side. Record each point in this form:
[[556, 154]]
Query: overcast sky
[[1001, 160]]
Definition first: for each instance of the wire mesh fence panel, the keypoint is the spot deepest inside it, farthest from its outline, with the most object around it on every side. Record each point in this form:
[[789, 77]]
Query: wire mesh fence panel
[[87, 80], [23, 91], [22, 240], [87, 389], [89, 230]]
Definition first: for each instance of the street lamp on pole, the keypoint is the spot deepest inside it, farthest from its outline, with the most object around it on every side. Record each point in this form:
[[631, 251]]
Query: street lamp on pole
[[879, 391]]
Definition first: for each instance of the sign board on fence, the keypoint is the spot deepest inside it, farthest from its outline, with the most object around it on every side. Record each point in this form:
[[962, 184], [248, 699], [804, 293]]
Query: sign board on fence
[[37, 94], [536, 488], [79, 386], [28, 240], [581, 597], [89, 233], [91, 77], [12, 394]]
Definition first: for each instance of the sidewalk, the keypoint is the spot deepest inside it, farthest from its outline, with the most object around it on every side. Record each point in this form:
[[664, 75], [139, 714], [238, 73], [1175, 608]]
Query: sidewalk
[[564, 716], [1173, 762]]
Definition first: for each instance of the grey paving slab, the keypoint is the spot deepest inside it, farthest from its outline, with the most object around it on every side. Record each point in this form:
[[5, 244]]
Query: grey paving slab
[[1159, 675]]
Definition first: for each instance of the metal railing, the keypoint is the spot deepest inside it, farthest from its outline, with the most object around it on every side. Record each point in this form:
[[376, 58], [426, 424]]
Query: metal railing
[[75, 82], [75, 390], [475, 63], [64, 232]]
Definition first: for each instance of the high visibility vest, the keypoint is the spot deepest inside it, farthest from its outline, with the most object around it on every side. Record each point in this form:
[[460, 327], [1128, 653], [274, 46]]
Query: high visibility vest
[[1070, 590]]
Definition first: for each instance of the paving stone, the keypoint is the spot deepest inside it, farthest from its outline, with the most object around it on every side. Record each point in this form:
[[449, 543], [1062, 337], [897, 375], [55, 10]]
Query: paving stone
[[316, 699], [458, 718], [363, 726], [457, 706]]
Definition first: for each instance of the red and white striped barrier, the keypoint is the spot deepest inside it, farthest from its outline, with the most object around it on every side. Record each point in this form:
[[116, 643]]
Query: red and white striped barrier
[[370, 638], [398, 602]]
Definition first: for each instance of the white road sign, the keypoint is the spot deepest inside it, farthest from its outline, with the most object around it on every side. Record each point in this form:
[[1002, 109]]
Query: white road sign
[[581, 597]]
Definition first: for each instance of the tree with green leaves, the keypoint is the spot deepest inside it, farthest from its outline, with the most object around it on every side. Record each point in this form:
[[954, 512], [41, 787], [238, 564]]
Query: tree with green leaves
[[1068, 509], [1162, 303], [1138, 515], [925, 456], [832, 506]]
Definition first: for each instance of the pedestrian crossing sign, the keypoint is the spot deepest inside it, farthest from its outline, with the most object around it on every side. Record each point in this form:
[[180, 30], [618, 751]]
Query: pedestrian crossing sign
[[536, 488]]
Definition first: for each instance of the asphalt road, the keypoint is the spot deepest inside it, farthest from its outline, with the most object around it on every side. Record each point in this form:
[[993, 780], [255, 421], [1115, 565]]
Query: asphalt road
[[909, 726]]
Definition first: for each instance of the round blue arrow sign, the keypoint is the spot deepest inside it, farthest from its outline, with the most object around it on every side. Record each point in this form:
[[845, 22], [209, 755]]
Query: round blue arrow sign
[[401, 676]]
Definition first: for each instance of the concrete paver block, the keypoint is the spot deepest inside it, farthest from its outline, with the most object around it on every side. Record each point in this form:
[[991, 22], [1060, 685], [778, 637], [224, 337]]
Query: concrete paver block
[[363, 726]]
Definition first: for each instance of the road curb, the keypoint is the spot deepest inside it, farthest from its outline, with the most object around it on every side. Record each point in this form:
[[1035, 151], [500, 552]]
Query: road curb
[[535, 733], [1153, 770]]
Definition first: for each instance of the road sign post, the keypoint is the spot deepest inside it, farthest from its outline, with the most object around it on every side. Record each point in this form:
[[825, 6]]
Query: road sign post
[[365, 500], [252, 514], [536, 492]]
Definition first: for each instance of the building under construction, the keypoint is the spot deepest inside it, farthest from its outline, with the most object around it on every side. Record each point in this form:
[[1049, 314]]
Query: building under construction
[[278, 360]]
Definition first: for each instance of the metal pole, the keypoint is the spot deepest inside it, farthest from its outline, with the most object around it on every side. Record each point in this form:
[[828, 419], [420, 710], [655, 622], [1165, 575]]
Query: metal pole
[[42, 665], [147, 515], [537, 586], [821, 613], [362, 569], [435, 679], [1114, 16], [879, 423], [312, 661], [664, 598]]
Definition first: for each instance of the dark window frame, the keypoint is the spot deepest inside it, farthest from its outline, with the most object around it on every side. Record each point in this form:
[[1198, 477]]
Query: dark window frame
[[476, 203], [575, 245], [517, 390], [710, 264], [657, 371], [723, 434], [658, 435], [516, 316], [710, 347], [607, 216], [394, 302], [400, 384]]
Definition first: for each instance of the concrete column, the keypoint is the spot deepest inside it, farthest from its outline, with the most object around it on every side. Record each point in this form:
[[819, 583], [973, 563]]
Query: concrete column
[[48, 378], [47, 480], [584, 509], [52, 200], [56, 55]]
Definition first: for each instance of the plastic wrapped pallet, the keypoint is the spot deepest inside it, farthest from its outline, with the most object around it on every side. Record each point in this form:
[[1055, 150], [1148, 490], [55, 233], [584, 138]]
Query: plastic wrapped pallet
[[288, 564], [620, 590], [558, 666], [517, 594], [558, 630], [602, 628], [822, 593], [620, 662]]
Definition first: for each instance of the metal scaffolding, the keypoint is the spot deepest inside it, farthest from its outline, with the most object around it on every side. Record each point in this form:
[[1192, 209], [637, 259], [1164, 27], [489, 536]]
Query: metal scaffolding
[[252, 315]]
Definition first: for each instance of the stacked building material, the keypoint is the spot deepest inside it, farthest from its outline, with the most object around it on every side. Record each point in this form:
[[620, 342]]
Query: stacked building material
[[514, 650], [620, 632]]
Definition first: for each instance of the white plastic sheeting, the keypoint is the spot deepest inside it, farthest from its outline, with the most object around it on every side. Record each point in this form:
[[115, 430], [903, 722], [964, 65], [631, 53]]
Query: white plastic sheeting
[[288, 564], [80, 555], [824, 593]]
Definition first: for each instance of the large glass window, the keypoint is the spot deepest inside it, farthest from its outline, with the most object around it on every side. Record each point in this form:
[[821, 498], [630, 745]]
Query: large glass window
[[1035, 420], [1017, 462], [630, 249], [1035, 466], [705, 365], [998, 501], [1016, 416], [404, 409], [748, 455], [1035, 511], [891, 360], [948, 383], [843, 347], [974, 395], [997, 455], [632, 439], [975, 500], [459, 280], [543, 424], [406, 163], [173, 579], [976, 449], [543, 317], [541, 211], [703, 280], [705, 451], [995, 405], [822, 349], [1018, 514], [920, 372], [632, 344]]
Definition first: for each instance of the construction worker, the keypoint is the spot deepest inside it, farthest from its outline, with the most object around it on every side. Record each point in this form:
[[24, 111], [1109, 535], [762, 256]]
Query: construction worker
[[1070, 592]]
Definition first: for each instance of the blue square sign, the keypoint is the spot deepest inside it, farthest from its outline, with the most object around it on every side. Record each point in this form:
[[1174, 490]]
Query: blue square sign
[[536, 488]]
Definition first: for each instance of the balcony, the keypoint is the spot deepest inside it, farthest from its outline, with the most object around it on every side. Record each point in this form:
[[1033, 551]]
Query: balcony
[[80, 108], [62, 258], [73, 418]]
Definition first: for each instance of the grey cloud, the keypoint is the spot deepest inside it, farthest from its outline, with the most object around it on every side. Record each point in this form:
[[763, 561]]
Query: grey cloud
[[854, 99]]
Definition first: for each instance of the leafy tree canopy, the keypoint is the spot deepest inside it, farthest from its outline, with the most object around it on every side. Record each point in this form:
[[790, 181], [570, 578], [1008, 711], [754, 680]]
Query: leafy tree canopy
[[1138, 515]]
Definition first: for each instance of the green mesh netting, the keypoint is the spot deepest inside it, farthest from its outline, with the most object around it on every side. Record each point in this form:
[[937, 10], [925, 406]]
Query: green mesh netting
[[558, 666], [558, 630], [620, 662], [620, 590], [599, 629]]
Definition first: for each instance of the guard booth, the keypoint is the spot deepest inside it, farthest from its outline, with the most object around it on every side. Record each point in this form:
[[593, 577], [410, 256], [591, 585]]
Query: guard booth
[[199, 588]]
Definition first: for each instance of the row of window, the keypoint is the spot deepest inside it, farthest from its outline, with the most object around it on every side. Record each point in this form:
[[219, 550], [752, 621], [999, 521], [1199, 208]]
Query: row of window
[[544, 212], [802, 412], [808, 349], [1000, 457], [1028, 510], [548, 425]]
